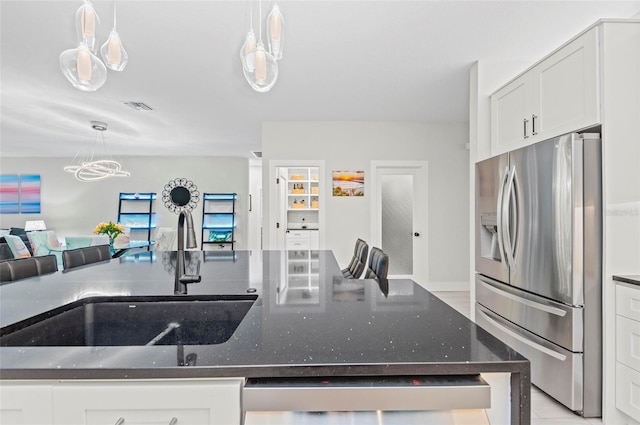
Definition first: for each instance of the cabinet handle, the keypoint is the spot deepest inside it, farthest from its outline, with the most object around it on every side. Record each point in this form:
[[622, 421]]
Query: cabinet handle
[[533, 124], [119, 421], [524, 126]]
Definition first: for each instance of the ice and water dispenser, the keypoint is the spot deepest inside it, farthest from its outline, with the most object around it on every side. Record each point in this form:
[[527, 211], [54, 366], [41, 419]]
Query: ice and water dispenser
[[489, 247]]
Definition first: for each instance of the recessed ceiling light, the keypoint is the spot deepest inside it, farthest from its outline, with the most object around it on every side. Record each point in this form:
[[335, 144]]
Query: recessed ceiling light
[[139, 106]]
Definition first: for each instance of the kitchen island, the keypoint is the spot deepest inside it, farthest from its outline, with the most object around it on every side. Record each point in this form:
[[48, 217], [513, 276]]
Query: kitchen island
[[307, 321]]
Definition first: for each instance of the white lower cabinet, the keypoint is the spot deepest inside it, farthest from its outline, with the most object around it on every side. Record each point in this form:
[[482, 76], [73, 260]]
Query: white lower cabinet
[[175, 402], [303, 240], [628, 350], [25, 403]]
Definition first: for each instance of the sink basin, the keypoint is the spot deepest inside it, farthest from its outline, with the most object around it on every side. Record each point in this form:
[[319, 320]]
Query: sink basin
[[126, 321]]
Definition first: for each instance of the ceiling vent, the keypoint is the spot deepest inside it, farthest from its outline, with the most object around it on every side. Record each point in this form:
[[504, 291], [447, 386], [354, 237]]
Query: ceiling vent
[[257, 154], [139, 106]]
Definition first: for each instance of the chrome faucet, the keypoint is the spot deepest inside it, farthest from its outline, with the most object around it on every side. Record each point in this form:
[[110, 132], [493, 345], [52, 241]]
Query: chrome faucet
[[182, 278]]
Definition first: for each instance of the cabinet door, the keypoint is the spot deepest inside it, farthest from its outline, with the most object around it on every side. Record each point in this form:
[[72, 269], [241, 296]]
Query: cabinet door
[[510, 115], [25, 404], [566, 90], [298, 240], [157, 402]]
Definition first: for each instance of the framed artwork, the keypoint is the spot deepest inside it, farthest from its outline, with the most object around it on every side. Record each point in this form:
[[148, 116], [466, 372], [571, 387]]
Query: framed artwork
[[348, 183], [9, 194], [30, 193]]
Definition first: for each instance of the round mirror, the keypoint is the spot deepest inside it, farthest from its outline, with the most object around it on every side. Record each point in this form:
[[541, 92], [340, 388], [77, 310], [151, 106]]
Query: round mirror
[[180, 195]]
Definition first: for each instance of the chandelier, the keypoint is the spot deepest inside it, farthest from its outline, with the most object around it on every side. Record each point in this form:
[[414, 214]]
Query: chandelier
[[91, 167], [260, 67], [81, 66]]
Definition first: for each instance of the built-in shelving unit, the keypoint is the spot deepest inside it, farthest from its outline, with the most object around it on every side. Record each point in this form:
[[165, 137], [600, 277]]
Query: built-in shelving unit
[[219, 219], [303, 189], [302, 206], [135, 211]]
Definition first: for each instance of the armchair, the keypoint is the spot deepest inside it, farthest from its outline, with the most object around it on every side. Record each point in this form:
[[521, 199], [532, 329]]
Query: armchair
[[45, 243]]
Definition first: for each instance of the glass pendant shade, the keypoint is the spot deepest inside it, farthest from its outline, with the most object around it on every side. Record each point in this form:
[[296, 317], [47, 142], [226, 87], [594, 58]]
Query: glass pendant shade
[[265, 73], [247, 52], [113, 52], [275, 32], [87, 23], [82, 68]]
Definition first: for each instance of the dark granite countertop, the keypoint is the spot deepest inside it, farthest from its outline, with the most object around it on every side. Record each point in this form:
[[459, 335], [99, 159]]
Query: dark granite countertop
[[309, 324], [633, 279]]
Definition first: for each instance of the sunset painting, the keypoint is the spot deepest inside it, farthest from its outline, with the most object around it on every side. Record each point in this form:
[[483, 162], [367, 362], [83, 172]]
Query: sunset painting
[[348, 183]]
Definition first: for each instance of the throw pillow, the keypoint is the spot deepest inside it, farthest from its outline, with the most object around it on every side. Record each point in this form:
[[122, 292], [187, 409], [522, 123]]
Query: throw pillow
[[17, 247]]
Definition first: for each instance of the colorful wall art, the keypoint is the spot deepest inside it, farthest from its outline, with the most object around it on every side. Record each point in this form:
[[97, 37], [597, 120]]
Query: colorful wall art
[[9, 194], [348, 183], [30, 194], [20, 194]]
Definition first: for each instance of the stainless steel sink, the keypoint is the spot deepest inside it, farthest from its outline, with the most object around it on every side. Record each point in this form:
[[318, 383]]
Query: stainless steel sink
[[127, 321]]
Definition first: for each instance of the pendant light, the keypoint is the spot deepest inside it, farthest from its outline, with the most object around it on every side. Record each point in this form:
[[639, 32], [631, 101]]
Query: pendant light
[[82, 68], [265, 74], [275, 27], [87, 24], [113, 52], [97, 165], [247, 51]]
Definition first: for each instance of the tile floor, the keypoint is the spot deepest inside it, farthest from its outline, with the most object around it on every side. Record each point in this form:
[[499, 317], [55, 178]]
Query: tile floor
[[544, 409]]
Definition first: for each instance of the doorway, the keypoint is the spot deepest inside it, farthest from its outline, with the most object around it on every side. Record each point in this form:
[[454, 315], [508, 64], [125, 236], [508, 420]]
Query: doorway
[[399, 219]]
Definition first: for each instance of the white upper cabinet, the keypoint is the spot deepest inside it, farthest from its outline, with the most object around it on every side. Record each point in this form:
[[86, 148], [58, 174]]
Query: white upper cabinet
[[556, 96], [510, 107]]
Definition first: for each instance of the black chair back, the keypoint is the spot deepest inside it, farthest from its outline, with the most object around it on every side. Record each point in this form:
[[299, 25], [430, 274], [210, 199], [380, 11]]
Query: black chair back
[[22, 268], [378, 266], [72, 258], [358, 261]]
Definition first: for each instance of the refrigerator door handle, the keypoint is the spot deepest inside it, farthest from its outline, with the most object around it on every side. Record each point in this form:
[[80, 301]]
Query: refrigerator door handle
[[521, 338], [529, 303], [510, 199], [499, 218]]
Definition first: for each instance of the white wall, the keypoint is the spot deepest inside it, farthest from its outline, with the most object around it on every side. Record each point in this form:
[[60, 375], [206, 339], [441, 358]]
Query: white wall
[[71, 207], [352, 146]]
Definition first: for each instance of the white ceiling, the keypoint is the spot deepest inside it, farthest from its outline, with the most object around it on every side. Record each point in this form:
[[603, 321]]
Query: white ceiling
[[343, 61]]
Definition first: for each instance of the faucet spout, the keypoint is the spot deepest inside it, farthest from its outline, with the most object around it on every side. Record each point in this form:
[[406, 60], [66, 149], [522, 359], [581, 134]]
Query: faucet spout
[[182, 278]]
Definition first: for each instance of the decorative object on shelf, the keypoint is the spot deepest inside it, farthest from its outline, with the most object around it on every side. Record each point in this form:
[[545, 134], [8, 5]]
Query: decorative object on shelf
[[180, 195], [348, 183], [81, 66], [260, 67], [111, 229], [93, 168]]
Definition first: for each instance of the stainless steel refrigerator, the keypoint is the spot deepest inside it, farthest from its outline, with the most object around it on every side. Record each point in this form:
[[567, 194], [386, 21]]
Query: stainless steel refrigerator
[[539, 262]]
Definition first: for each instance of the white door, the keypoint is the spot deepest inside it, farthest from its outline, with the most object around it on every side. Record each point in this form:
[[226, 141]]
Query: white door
[[399, 221]]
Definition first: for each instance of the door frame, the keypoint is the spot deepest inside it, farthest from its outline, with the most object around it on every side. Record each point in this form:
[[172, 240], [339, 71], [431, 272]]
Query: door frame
[[421, 220]]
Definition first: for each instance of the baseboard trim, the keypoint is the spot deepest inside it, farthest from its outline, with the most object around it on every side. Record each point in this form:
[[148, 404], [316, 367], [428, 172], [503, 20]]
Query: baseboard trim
[[447, 286]]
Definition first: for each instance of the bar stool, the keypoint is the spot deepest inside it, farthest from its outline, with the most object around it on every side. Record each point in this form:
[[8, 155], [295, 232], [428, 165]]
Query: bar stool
[[358, 261]]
